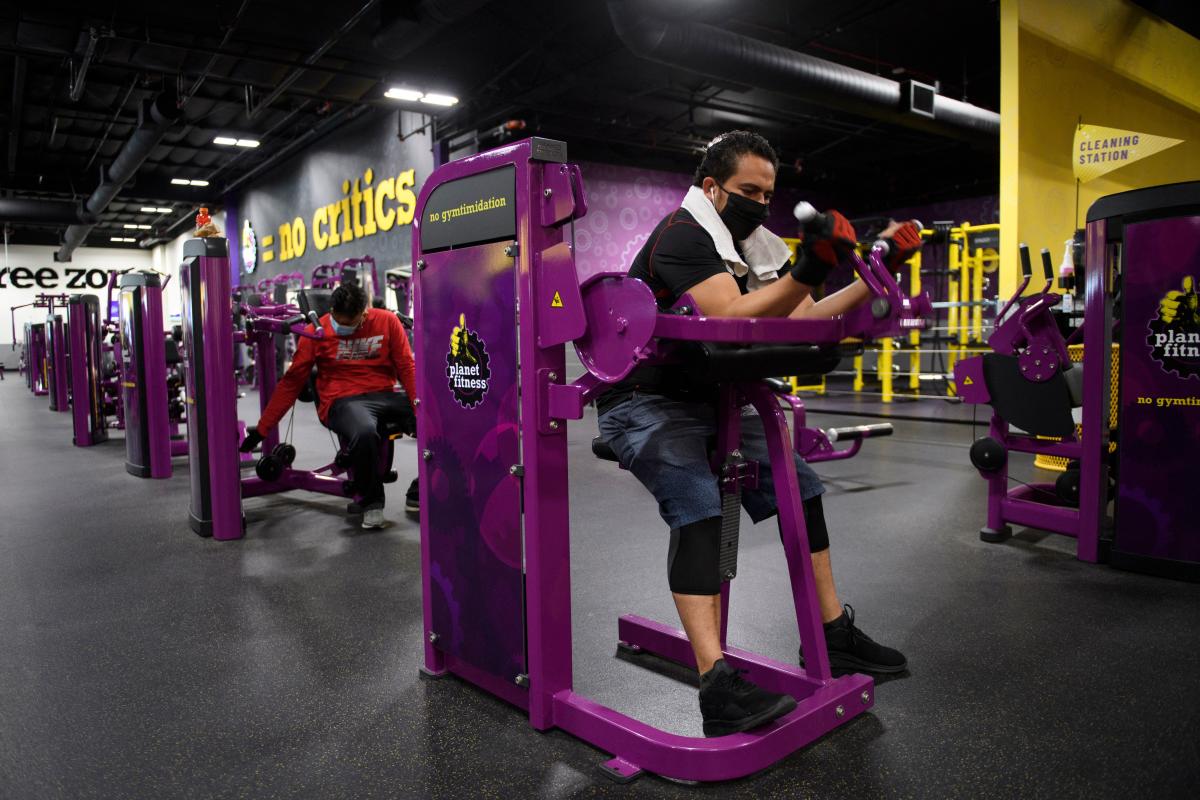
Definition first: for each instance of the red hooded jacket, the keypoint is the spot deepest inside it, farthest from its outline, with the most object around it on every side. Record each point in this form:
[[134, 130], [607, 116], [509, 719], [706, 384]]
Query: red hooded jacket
[[372, 360]]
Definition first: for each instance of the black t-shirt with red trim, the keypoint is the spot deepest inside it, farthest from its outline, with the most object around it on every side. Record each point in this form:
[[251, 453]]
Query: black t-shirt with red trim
[[678, 255]]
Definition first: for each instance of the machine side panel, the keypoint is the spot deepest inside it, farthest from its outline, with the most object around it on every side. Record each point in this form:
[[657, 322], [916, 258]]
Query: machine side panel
[[1158, 507], [468, 425]]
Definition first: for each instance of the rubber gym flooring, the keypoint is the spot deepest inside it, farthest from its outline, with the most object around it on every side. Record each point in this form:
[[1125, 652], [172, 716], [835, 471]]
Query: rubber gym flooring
[[138, 660]]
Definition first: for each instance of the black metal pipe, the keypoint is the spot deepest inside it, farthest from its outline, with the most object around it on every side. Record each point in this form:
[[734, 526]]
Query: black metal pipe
[[157, 119], [81, 76], [731, 57], [44, 211]]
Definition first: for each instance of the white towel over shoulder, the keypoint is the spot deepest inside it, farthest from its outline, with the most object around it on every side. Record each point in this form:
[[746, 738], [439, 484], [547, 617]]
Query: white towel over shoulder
[[764, 252]]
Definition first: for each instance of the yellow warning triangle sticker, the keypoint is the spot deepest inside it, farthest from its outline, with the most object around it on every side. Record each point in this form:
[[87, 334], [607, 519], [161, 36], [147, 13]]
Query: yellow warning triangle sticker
[[557, 301], [968, 382], [1099, 150]]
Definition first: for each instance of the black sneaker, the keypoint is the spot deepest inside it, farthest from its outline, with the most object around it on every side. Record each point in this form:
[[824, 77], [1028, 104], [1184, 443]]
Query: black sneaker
[[412, 500], [851, 650], [730, 703]]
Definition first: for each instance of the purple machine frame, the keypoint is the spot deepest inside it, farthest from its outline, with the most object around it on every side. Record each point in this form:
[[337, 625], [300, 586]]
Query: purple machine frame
[[494, 404], [35, 358], [148, 444], [57, 375], [89, 423]]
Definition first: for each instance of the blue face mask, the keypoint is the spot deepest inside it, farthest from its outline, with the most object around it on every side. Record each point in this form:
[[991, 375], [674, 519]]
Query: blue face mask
[[343, 330]]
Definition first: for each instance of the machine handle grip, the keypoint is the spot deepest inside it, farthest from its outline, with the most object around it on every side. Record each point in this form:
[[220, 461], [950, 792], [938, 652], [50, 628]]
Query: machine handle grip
[[1026, 267], [1047, 264], [316, 322], [859, 432]]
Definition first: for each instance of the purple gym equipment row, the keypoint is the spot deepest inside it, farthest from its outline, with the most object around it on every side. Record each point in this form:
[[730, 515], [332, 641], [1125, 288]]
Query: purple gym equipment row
[[89, 423], [494, 404], [144, 376], [329, 276], [1145, 243], [43, 361]]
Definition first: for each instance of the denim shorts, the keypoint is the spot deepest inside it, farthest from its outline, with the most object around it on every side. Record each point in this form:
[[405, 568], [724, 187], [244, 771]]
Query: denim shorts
[[665, 442]]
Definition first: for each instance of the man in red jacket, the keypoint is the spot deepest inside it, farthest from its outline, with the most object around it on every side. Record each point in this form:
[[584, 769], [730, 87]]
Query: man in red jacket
[[359, 361]]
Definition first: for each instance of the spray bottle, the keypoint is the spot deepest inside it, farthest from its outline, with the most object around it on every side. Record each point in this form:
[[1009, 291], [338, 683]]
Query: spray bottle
[[1066, 278]]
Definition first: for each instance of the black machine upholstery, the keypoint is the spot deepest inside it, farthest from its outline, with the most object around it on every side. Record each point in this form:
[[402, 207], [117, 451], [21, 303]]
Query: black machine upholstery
[[171, 347], [719, 362], [1041, 409], [320, 300]]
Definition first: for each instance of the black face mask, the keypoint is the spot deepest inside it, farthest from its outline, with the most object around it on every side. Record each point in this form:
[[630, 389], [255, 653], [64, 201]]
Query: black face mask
[[742, 215]]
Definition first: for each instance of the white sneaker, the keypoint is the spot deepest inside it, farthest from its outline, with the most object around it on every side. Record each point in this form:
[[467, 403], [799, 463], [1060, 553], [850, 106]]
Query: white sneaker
[[373, 518]]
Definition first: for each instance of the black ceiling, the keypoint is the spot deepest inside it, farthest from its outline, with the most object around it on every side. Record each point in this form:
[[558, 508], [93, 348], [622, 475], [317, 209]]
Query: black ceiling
[[558, 65]]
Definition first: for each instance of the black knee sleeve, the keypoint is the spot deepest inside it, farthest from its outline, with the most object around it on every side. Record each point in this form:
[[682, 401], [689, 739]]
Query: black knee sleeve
[[814, 522], [693, 561]]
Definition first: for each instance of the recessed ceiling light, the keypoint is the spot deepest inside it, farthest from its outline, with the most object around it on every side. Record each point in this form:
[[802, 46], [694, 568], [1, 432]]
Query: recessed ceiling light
[[180, 181], [439, 99], [136, 227], [225, 140], [156, 210], [122, 239], [401, 93], [198, 183], [247, 142]]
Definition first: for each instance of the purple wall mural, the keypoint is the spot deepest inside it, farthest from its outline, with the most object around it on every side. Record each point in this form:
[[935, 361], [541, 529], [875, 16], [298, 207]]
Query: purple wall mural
[[625, 204]]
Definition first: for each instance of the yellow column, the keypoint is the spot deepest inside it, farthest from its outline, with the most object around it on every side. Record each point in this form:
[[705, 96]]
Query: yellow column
[[914, 336], [885, 369], [858, 370], [977, 297]]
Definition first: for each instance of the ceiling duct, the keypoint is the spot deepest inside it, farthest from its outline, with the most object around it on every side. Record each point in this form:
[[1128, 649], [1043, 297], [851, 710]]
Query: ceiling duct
[[729, 57], [155, 118]]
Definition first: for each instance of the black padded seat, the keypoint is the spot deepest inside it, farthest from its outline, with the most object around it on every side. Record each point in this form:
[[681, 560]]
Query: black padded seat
[[320, 300], [1041, 409]]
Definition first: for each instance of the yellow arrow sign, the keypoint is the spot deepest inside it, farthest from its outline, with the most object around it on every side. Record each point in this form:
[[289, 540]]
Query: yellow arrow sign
[[1099, 150]]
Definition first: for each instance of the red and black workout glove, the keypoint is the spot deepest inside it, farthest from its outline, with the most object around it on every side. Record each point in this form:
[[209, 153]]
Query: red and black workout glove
[[902, 244], [830, 237]]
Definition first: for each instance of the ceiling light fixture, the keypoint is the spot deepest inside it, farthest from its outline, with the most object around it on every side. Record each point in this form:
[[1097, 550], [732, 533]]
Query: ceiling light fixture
[[439, 99], [136, 227], [401, 93], [186, 182], [247, 142], [122, 239], [156, 210], [229, 141]]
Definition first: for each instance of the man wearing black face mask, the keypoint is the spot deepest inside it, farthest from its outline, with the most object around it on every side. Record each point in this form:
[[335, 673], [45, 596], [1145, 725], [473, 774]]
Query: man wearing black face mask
[[659, 421]]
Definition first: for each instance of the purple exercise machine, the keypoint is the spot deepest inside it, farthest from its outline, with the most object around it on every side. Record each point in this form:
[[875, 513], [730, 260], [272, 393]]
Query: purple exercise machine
[[217, 488], [148, 443], [489, 238], [35, 358], [57, 374], [1142, 257], [88, 413]]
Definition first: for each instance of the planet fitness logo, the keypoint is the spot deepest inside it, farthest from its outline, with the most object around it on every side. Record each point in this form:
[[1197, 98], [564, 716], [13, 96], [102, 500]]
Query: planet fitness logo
[[1175, 335], [467, 365]]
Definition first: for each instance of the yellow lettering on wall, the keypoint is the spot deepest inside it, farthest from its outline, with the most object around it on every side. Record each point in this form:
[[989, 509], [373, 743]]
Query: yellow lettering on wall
[[320, 217], [406, 200], [299, 237], [285, 242], [335, 211], [385, 218], [356, 210], [369, 203], [347, 234]]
